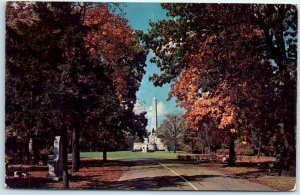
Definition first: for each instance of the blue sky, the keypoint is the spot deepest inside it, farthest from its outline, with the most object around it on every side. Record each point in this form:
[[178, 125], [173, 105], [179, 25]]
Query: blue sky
[[139, 15]]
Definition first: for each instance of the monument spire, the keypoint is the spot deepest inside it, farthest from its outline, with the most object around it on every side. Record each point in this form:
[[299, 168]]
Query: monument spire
[[154, 115]]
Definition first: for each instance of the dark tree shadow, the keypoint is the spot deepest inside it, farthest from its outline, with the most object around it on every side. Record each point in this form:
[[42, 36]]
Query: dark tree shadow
[[146, 183], [96, 181]]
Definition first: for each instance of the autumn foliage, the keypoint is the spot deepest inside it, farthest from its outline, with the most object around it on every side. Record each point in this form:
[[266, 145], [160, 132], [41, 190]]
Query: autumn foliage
[[72, 70], [232, 68]]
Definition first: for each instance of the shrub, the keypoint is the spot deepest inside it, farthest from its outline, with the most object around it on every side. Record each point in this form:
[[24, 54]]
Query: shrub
[[180, 157], [244, 151], [136, 150], [187, 149], [184, 157], [8, 159], [44, 154], [188, 157]]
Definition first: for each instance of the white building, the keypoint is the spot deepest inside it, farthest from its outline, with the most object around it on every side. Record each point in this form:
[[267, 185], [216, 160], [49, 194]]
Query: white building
[[152, 143]]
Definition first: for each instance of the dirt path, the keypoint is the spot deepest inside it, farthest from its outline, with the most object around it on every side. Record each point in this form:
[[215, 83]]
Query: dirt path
[[172, 175]]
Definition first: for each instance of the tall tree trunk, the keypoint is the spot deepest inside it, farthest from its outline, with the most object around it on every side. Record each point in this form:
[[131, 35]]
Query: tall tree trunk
[[104, 154], [288, 93], [289, 121], [174, 147], [36, 156], [75, 149], [289, 136], [207, 139], [21, 151], [259, 147], [231, 161], [65, 158]]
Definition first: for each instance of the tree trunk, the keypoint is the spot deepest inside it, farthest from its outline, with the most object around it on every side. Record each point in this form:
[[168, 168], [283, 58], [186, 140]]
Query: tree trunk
[[207, 139], [65, 159], [289, 137], [36, 156], [288, 94], [75, 150], [21, 152], [259, 147], [175, 147], [231, 161], [104, 154]]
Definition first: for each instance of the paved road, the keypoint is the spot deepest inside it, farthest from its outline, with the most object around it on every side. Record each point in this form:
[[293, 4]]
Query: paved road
[[171, 175]]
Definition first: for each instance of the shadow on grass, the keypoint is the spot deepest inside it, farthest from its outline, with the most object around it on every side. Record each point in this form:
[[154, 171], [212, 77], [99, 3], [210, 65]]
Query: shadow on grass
[[129, 163], [96, 180], [141, 183], [93, 179], [260, 169], [100, 163], [27, 183]]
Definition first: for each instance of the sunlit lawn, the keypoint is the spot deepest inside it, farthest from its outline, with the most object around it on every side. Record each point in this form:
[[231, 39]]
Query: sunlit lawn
[[123, 155]]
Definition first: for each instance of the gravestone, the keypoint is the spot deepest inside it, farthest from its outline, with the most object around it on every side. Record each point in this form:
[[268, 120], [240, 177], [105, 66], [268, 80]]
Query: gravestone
[[55, 161], [30, 145], [30, 150]]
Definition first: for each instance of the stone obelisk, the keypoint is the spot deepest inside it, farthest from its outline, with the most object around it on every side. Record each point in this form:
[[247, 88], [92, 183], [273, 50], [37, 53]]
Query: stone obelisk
[[154, 115]]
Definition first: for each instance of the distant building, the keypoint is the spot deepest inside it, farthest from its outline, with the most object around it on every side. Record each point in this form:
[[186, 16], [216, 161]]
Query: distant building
[[152, 143]]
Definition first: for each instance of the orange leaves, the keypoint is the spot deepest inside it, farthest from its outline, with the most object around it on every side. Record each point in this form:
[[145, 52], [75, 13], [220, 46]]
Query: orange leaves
[[120, 84], [249, 32], [191, 76], [110, 41], [109, 35], [221, 71], [184, 87], [95, 16], [227, 120], [20, 13], [233, 131], [202, 110]]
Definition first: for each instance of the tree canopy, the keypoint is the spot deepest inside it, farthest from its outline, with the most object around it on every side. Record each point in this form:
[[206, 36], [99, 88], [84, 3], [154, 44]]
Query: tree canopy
[[71, 67], [232, 67], [172, 130]]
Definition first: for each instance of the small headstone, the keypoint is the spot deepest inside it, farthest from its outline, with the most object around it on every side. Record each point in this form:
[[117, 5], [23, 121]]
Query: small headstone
[[224, 159], [19, 174]]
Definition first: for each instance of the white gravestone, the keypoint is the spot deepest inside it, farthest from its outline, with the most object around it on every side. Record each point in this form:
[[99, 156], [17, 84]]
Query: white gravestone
[[30, 150], [55, 161]]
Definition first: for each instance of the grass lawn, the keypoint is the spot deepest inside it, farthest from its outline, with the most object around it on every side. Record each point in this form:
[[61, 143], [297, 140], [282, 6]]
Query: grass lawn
[[123, 155]]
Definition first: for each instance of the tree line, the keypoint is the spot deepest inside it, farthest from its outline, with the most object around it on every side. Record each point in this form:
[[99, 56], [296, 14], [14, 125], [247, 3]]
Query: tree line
[[232, 67], [72, 69]]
